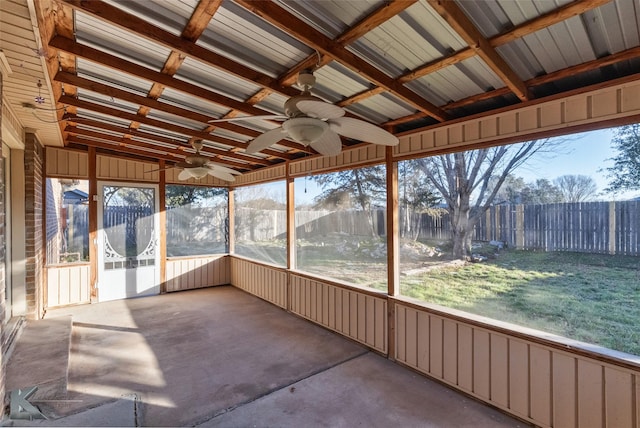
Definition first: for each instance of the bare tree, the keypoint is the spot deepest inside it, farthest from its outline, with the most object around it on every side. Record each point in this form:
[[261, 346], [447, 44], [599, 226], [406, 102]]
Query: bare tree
[[576, 188], [469, 181]]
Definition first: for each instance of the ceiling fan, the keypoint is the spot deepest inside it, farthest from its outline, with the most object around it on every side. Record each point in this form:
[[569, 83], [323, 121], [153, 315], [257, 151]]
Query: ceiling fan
[[312, 122], [198, 166]]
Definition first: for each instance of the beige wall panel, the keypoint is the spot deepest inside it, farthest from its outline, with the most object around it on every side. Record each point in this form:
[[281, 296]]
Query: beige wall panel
[[196, 272], [465, 357], [441, 137], [349, 312], [507, 123], [66, 163], [423, 341], [605, 104], [499, 370], [630, 97], [450, 351], [67, 285], [488, 128], [564, 390], [540, 376], [435, 346], [353, 314], [401, 333], [552, 115], [456, 134], [111, 168], [380, 323], [619, 398], [528, 119], [349, 157], [590, 397], [411, 332], [481, 364], [519, 377], [576, 109], [266, 282], [277, 172], [471, 131]]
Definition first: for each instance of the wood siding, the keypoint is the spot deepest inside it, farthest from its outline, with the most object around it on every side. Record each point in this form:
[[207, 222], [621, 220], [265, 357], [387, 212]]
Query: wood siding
[[359, 316], [538, 383], [606, 107], [112, 168], [262, 175], [188, 273], [67, 163], [172, 178], [67, 285], [268, 283], [363, 155]]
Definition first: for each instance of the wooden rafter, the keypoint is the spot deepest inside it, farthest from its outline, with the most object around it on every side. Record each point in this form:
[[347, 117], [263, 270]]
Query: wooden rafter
[[457, 19]]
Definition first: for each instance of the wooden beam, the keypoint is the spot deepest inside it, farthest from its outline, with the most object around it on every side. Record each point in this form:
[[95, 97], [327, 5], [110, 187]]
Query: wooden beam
[[200, 19], [459, 21], [315, 39], [94, 200], [162, 205]]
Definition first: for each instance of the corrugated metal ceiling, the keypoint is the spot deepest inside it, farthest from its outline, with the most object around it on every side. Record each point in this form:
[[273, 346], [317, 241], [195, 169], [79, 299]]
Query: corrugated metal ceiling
[[400, 64]]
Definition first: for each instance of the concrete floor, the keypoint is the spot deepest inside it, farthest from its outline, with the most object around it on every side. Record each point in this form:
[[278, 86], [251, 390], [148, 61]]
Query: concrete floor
[[221, 357]]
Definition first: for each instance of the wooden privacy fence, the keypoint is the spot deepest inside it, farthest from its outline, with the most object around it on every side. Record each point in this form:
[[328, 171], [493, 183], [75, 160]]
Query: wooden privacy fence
[[594, 227]]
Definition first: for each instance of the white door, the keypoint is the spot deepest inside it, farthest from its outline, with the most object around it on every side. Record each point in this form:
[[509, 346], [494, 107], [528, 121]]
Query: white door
[[128, 262]]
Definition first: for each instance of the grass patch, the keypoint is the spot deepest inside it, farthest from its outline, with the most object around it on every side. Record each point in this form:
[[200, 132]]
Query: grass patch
[[588, 297]]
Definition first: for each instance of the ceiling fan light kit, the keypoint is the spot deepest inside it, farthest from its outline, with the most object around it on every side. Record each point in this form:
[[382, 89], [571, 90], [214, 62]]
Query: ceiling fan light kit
[[305, 130]]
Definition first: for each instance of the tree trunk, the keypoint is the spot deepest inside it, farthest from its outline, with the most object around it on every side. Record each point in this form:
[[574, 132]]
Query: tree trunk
[[461, 227]]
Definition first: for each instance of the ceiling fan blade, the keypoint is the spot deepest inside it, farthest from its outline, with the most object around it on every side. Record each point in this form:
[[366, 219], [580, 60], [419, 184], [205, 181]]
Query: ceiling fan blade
[[263, 117], [320, 109], [265, 140], [363, 131], [183, 165], [184, 175], [221, 175], [329, 144], [218, 167]]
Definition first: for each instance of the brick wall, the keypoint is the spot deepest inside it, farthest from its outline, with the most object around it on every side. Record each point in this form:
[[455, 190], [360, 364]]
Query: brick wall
[[2, 249], [33, 193]]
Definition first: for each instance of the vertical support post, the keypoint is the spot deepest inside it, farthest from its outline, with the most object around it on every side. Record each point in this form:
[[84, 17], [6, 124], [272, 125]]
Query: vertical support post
[[291, 225], [291, 234], [162, 204], [393, 249], [94, 199], [231, 223], [612, 227]]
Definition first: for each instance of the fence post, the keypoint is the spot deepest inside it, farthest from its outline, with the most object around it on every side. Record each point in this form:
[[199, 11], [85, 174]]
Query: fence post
[[520, 226], [612, 227]]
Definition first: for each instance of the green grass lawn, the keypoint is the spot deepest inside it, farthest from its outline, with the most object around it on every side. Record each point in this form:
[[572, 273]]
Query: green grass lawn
[[588, 297]]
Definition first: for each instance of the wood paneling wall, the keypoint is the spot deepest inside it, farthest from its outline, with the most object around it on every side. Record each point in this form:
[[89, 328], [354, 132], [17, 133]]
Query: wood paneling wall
[[544, 385], [67, 163], [67, 284], [359, 315], [262, 175], [112, 168], [268, 283], [187, 273]]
